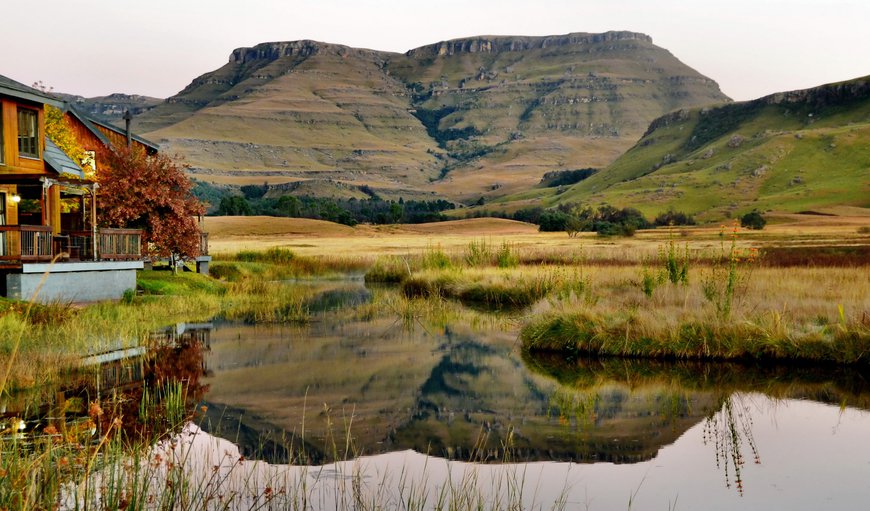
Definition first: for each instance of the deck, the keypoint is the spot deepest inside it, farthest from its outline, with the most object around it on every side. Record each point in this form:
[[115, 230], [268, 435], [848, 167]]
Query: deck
[[21, 244]]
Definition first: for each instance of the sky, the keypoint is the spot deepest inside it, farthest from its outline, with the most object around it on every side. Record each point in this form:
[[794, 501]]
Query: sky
[[157, 47]]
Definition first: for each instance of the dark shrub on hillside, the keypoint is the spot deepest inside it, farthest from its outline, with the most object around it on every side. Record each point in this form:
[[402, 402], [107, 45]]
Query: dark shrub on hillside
[[530, 215], [234, 206], [753, 220], [254, 191], [553, 221], [671, 217], [566, 177], [605, 228]]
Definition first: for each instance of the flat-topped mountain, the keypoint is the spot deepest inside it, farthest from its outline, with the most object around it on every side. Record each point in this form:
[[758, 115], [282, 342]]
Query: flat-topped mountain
[[476, 116]]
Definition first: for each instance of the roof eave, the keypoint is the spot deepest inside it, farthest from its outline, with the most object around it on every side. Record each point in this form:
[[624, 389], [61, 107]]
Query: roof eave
[[29, 96]]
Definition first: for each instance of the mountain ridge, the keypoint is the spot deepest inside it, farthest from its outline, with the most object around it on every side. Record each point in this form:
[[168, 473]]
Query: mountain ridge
[[790, 151], [464, 118]]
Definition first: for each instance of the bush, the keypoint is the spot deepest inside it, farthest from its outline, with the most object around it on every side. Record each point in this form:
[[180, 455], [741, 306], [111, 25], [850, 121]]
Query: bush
[[671, 217], [553, 221], [565, 177], [753, 220]]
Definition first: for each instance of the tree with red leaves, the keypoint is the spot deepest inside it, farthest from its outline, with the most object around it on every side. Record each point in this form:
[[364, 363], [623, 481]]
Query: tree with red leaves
[[149, 192]]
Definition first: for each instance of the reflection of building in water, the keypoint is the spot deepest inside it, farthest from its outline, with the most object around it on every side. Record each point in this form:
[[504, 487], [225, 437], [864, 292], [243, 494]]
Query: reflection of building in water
[[117, 370], [121, 369], [183, 333], [172, 354]]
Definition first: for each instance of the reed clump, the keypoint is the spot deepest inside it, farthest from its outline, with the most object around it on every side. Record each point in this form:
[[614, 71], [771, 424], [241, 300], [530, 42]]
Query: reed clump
[[281, 264], [390, 270], [489, 287], [259, 301], [585, 332]]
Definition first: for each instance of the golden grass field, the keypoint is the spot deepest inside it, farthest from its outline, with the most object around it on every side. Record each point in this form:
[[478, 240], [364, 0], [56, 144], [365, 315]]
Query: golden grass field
[[320, 238], [800, 284]]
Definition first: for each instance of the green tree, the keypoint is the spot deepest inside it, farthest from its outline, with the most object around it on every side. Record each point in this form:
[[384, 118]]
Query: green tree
[[753, 220], [234, 205]]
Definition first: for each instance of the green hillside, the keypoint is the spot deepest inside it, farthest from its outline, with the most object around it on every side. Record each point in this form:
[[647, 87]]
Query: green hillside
[[463, 118], [791, 151]]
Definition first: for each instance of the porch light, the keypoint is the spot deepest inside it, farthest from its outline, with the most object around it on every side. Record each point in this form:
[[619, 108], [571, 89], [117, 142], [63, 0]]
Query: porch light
[[16, 198]]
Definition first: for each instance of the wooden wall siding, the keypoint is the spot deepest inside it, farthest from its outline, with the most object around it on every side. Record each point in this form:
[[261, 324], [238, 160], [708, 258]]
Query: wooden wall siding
[[119, 140], [13, 163], [86, 138], [116, 139], [11, 207], [90, 142]]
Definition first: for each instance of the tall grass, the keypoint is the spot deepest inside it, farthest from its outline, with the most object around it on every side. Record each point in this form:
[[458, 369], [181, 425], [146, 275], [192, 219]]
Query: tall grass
[[197, 471], [278, 263], [489, 287]]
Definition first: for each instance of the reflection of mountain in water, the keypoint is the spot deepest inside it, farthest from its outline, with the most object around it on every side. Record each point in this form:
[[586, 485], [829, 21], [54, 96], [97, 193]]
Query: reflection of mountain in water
[[478, 401], [467, 394]]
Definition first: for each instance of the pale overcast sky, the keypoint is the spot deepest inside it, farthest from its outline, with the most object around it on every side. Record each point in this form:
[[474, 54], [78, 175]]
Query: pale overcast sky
[[156, 47]]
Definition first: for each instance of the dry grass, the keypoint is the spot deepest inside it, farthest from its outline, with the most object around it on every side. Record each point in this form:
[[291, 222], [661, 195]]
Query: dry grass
[[787, 296], [811, 313], [317, 238]]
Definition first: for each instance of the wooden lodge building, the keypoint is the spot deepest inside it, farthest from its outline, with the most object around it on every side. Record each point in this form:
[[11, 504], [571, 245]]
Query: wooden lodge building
[[48, 208]]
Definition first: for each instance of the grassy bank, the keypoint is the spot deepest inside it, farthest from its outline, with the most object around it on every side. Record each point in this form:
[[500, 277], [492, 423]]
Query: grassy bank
[[730, 297], [39, 342]]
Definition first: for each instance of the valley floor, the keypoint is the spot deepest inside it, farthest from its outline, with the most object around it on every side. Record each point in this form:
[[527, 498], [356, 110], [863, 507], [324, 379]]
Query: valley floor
[[796, 290]]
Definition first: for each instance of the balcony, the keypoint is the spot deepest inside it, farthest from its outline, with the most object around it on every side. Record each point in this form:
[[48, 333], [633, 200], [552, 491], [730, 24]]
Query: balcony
[[36, 243]]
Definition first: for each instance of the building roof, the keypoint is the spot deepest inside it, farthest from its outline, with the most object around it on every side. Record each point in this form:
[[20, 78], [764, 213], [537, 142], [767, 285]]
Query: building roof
[[9, 87], [59, 162], [91, 124], [147, 143], [86, 122]]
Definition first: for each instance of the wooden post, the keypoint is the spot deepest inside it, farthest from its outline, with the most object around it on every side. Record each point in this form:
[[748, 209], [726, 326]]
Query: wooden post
[[54, 208], [127, 118], [94, 218]]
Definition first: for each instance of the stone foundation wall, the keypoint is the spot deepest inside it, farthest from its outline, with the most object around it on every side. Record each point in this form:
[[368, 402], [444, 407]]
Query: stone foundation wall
[[73, 282]]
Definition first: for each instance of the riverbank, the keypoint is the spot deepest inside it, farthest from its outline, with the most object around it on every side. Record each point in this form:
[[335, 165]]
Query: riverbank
[[663, 294]]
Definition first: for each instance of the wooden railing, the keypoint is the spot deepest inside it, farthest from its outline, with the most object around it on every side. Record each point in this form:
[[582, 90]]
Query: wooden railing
[[81, 245], [112, 245], [119, 244], [34, 243], [25, 243]]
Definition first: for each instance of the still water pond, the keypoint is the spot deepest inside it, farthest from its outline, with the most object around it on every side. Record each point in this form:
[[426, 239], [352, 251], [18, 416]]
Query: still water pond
[[591, 434]]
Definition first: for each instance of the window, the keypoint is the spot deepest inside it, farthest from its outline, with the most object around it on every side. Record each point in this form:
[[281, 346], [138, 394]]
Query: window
[[28, 133]]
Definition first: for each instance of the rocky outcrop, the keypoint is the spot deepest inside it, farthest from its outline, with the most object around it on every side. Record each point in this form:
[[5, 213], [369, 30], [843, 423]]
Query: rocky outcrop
[[826, 95], [112, 107], [299, 49], [500, 44], [273, 51]]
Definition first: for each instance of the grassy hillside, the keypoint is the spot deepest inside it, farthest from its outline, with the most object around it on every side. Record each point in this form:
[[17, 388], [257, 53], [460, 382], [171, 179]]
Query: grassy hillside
[[792, 151], [462, 118], [323, 111]]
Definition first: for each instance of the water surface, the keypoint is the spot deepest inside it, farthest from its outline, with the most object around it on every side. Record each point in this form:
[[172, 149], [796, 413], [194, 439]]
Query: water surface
[[595, 432]]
